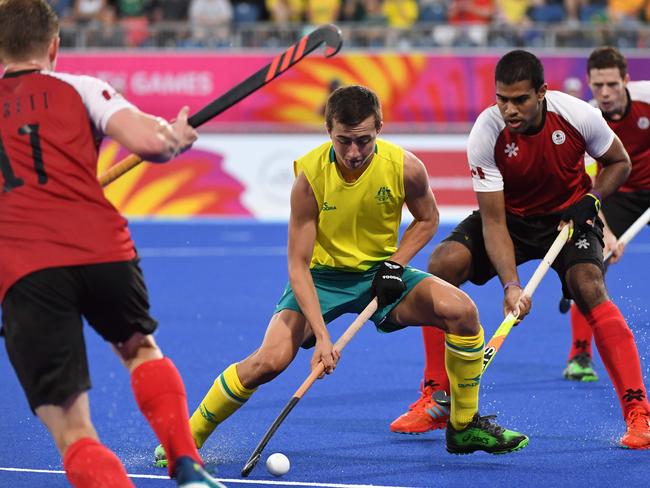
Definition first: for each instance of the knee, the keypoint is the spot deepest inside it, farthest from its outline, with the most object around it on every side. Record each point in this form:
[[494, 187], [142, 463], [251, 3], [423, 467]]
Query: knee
[[264, 366], [137, 350], [451, 262], [461, 315], [587, 286]]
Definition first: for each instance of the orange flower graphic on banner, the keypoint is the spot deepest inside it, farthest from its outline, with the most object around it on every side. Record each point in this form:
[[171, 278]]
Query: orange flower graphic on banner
[[300, 94], [193, 184]]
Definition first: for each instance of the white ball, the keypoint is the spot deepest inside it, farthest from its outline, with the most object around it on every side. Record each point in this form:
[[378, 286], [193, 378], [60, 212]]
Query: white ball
[[278, 464]]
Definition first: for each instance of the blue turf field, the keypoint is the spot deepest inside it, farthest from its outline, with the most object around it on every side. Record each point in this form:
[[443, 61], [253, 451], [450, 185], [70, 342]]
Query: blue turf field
[[213, 287]]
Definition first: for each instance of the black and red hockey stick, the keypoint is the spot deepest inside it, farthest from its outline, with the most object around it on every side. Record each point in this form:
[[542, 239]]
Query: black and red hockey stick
[[330, 35]]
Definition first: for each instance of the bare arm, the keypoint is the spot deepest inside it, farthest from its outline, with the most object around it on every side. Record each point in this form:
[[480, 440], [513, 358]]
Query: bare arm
[[421, 203], [303, 227], [616, 168], [151, 138], [611, 242], [500, 248]]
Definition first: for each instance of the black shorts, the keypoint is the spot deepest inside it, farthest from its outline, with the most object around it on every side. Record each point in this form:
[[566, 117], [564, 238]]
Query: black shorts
[[622, 209], [42, 323], [532, 237]]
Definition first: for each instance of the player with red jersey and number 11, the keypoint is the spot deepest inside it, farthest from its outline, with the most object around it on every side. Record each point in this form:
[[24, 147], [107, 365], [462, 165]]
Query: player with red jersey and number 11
[[66, 253]]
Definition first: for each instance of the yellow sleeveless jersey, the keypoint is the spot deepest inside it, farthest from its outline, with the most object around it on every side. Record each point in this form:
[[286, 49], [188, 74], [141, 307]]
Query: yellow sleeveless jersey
[[358, 223]]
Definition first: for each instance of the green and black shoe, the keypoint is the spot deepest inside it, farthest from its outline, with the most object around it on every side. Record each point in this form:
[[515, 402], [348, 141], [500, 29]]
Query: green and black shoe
[[159, 457], [580, 368], [484, 434]]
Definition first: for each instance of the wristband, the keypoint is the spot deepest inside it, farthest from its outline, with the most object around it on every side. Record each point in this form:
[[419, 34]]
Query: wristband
[[597, 196], [511, 283]]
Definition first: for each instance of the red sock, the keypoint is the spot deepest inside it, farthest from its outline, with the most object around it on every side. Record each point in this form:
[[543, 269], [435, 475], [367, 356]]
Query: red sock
[[435, 373], [581, 334], [160, 394], [618, 351], [90, 464]]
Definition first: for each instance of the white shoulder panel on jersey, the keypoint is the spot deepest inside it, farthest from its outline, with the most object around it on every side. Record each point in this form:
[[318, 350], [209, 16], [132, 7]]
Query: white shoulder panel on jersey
[[480, 150], [100, 98], [639, 91], [587, 120]]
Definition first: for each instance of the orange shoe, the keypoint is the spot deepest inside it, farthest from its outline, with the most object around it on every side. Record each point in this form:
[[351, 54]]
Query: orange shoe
[[423, 415], [638, 430]]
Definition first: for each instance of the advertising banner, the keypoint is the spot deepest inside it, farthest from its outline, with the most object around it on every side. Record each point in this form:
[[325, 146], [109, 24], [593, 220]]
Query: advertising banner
[[250, 176], [418, 91]]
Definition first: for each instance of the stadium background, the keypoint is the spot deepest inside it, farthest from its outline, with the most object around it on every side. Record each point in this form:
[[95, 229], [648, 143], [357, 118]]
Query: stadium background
[[430, 61]]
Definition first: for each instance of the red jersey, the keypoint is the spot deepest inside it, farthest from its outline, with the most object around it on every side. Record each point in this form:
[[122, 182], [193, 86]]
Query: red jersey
[[543, 172], [634, 131], [52, 209]]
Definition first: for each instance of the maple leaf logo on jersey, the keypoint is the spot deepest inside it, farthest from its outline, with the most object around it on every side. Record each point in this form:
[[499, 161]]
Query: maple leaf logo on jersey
[[511, 149], [582, 244]]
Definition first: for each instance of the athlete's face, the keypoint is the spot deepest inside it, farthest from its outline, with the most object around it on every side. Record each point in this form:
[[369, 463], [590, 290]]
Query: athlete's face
[[354, 145], [608, 87], [520, 105]]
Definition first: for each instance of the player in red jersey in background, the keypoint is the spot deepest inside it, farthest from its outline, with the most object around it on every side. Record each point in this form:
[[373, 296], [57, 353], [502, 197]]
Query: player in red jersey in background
[[526, 159], [66, 253], [625, 106]]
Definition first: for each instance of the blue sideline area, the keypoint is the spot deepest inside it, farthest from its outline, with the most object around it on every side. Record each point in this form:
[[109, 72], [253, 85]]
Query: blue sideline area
[[213, 286]]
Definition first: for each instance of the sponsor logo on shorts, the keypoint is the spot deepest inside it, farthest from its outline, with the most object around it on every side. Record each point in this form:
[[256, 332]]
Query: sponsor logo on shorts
[[582, 244], [558, 137]]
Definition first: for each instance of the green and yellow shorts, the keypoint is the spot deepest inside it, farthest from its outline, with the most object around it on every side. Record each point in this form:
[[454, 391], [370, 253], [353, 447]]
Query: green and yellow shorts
[[341, 292]]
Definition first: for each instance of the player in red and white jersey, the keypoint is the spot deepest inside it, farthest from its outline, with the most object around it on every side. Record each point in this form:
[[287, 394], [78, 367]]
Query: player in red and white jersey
[[526, 158], [625, 105], [66, 253]]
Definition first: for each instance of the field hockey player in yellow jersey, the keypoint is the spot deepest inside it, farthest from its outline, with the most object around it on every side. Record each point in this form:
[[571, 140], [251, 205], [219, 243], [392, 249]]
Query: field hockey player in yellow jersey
[[346, 208]]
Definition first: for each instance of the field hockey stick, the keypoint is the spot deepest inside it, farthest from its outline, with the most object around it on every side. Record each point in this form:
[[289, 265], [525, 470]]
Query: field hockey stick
[[495, 343], [499, 336], [313, 376], [330, 35], [627, 236]]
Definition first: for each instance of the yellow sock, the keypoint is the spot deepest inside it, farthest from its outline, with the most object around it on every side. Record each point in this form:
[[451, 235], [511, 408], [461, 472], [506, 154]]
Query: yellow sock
[[464, 363], [223, 399]]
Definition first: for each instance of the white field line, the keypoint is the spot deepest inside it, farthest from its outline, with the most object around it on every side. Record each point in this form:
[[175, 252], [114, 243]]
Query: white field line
[[223, 480]]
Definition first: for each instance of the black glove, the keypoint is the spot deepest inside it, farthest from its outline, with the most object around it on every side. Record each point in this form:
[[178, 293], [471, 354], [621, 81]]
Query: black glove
[[584, 209], [387, 285]]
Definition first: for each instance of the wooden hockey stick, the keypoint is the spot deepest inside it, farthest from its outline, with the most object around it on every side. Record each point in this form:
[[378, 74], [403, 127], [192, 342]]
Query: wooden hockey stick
[[627, 236], [495, 343], [330, 35], [499, 336], [339, 345]]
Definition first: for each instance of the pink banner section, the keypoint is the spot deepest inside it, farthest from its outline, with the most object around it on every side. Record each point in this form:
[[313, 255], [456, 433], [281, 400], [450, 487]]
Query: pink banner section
[[414, 88]]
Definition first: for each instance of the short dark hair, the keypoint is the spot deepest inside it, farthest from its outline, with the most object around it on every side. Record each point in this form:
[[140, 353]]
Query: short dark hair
[[351, 105], [520, 65], [607, 57], [26, 28]]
